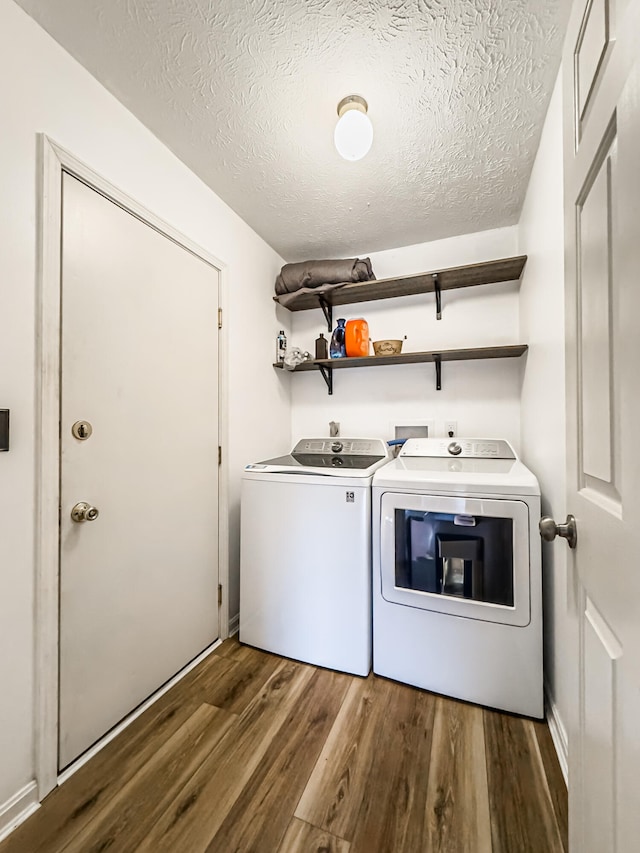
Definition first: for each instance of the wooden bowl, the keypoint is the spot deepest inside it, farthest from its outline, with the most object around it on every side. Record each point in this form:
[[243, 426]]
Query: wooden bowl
[[387, 347]]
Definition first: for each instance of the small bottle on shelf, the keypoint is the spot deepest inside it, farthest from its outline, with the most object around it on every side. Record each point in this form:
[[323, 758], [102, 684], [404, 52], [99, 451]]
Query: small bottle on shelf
[[321, 347], [337, 347], [281, 346]]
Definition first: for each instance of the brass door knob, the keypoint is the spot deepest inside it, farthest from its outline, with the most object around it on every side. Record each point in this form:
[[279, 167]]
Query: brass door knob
[[84, 512], [549, 530]]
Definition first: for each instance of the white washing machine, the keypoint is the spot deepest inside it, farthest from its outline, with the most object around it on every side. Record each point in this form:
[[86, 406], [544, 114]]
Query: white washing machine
[[457, 598], [305, 553]]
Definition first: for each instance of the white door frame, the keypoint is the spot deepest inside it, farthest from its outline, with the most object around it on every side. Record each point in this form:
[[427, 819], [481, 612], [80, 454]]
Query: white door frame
[[54, 161]]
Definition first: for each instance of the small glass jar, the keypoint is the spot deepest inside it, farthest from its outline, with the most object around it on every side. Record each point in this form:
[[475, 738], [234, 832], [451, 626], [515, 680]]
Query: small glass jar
[[322, 347]]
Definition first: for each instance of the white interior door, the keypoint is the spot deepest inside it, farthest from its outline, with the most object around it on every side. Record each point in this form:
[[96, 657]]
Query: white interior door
[[139, 362], [602, 216]]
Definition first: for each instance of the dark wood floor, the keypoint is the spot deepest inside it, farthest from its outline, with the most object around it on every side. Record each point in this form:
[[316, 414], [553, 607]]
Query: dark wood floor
[[252, 752]]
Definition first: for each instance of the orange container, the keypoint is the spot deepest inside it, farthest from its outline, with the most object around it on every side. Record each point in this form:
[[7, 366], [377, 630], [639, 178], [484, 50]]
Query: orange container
[[356, 337]]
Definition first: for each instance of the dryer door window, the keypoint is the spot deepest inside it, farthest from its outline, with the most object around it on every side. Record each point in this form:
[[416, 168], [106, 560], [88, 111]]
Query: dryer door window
[[463, 556]]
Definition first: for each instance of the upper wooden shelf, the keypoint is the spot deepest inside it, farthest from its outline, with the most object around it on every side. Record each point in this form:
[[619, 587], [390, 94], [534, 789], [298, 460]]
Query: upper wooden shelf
[[489, 272]]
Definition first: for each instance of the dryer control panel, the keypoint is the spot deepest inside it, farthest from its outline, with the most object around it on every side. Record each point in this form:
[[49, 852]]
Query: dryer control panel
[[461, 448]]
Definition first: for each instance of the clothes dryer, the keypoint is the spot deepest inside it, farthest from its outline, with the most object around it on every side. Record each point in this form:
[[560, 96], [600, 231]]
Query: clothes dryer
[[305, 552], [457, 599]]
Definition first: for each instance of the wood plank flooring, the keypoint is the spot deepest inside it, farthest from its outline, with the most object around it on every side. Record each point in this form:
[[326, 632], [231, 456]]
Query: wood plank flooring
[[252, 753]]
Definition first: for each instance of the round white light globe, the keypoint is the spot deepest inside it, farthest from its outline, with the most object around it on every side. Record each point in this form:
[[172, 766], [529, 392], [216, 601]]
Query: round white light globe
[[353, 134]]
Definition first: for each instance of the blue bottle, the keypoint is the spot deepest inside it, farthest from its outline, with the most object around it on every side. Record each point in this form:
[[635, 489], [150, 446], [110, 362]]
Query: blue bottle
[[337, 347]]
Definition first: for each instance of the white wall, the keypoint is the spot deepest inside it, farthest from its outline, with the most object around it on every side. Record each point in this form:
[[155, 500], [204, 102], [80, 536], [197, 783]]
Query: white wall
[[482, 396], [42, 89], [541, 232]]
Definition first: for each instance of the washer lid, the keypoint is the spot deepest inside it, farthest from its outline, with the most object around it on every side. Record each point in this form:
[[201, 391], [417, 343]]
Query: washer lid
[[352, 457]]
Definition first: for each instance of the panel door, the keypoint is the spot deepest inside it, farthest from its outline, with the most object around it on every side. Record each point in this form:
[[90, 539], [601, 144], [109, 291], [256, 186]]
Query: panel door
[[602, 207], [139, 354]]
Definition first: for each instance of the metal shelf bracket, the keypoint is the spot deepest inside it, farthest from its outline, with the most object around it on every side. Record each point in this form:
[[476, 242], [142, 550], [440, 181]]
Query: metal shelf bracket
[[327, 310], [327, 375], [438, 292], [438, 363]]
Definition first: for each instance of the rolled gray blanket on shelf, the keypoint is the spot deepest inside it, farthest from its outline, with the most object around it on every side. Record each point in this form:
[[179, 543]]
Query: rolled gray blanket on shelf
[[320, 276]]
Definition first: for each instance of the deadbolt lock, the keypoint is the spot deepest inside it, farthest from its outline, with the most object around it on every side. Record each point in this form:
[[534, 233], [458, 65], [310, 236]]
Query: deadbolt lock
[[82, 430]]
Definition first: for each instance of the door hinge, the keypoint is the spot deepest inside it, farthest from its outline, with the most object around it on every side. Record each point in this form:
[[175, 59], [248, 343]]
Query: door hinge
[[219, 318], [219, 595], [219, 455]]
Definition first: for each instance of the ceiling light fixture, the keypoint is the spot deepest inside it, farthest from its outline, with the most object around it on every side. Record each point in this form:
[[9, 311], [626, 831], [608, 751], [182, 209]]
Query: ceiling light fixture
[[354, 132]]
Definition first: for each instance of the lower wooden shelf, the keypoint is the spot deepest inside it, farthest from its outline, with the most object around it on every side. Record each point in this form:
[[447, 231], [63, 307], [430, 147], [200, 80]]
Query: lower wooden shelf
[[326, 366]]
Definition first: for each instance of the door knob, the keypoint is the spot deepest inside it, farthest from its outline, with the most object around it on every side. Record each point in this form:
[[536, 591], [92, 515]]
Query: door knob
[[84, 512], [549, 530]]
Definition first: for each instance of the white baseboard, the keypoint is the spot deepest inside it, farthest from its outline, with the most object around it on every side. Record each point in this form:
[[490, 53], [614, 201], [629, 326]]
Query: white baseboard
[[558, 735], [234, 624], [18, 808]]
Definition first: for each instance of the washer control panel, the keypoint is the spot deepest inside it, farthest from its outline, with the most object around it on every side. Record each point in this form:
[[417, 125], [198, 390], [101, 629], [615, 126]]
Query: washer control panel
[[463, 448], [343, 446]]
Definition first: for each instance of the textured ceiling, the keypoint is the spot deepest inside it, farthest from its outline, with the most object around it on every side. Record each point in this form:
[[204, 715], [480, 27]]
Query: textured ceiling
[[245, 92]]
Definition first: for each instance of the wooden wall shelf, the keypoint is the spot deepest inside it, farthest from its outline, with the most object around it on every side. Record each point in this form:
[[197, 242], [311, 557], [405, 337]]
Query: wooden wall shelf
[[472, 275], [326, 366]]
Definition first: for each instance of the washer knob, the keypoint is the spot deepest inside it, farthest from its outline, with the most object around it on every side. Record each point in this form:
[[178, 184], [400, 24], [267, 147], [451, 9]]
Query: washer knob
[[336, 447], [454, 448]]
